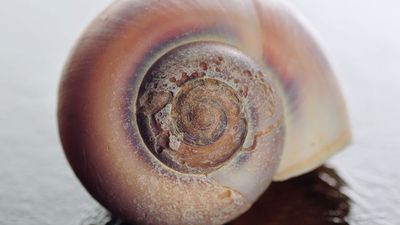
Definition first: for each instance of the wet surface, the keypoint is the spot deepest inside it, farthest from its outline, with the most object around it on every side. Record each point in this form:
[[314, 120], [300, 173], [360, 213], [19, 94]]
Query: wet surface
[[37, 185]]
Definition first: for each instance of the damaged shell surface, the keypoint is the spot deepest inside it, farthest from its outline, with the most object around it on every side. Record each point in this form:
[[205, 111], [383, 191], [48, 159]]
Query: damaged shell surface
[[183, 112]]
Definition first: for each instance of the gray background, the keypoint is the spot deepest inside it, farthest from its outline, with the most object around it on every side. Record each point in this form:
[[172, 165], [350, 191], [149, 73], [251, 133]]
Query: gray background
[[361, 38]]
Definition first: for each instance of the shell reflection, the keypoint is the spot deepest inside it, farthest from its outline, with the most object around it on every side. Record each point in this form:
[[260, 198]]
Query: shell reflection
[[312, 199]]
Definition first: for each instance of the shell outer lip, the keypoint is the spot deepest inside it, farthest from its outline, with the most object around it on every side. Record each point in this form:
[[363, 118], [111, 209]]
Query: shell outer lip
[[316, 160]]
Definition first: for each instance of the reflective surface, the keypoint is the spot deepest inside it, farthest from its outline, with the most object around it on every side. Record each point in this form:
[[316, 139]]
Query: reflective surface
[[37, 185]]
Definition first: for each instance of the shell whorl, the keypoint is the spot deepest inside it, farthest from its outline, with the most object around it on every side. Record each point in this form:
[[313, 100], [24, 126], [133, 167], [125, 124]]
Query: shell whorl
[[196, 106]]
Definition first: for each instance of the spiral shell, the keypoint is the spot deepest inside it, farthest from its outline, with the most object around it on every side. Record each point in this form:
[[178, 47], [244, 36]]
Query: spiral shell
[[194, 116], [178, 112]]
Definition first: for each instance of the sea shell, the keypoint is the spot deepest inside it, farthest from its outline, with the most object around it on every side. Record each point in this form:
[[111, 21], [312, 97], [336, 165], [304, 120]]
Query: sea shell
[[178, 112]]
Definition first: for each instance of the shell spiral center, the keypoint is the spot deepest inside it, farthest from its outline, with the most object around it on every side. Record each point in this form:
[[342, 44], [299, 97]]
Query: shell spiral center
[[193, 108]]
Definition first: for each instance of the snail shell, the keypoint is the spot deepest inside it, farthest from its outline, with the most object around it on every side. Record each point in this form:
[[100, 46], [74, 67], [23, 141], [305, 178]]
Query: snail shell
[[182, 112]]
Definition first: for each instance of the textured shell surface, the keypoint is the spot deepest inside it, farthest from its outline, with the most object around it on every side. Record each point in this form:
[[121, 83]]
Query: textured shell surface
[[145, 70]]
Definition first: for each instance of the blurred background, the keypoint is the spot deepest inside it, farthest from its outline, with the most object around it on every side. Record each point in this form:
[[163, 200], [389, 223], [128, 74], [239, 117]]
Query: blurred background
[[359, 186]]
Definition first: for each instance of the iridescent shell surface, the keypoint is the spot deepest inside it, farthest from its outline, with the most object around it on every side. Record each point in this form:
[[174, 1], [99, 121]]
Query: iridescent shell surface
[[101, 93]]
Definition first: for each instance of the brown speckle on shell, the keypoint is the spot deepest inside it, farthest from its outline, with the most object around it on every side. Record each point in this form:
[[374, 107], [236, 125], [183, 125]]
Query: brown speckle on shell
[[198, 122]]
